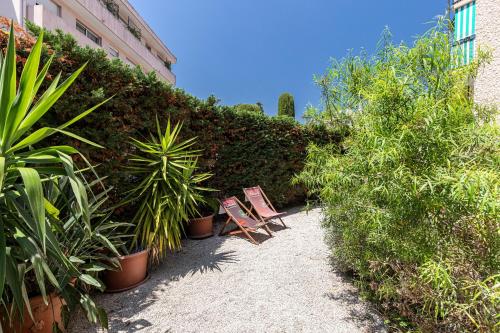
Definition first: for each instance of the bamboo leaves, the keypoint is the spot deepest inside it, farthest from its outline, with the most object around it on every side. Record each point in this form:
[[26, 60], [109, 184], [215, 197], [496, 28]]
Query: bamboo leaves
[[412, 202]]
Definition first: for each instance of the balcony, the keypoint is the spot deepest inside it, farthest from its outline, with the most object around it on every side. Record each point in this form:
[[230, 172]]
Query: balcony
[[110, 28]]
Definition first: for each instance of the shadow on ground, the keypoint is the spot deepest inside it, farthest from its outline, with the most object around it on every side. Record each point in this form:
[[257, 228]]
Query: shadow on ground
[[196, 257], [361, 313]]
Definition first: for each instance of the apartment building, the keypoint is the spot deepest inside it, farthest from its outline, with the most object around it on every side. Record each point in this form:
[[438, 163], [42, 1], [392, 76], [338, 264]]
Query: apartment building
[[113, 25], [477, 26]]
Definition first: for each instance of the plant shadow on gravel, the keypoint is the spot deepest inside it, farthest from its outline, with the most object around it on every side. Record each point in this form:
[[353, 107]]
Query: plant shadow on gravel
[[196, 257], [362, 314]]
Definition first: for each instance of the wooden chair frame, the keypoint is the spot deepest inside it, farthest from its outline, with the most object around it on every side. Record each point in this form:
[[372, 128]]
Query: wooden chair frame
[[242, 229], [268, 202]]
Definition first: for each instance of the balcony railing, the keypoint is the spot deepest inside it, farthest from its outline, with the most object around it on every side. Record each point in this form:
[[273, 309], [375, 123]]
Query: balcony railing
[[134, 29], [112, 6], [114, 9]]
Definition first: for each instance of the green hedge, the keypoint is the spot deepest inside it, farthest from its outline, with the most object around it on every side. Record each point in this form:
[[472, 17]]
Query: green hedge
[[239, 148]]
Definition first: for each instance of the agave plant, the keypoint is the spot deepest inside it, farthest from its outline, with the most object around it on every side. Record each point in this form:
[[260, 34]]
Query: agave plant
[[169, 189], [28, 221]]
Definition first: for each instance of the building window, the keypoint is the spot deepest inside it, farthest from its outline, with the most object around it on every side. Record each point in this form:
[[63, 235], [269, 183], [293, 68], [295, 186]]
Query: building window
[[58, 10], [465, 32], [87, 32], [148, 47], [114, 53]]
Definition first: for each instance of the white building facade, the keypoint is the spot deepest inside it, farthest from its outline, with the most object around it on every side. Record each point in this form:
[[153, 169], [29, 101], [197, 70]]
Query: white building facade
[[477, 26], [113, 25]]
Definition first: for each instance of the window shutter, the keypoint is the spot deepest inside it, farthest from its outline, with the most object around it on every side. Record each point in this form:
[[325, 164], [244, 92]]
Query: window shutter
[[465, 32]]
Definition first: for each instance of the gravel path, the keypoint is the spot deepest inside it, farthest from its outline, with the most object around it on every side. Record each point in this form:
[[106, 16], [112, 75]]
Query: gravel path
[[227, 284]]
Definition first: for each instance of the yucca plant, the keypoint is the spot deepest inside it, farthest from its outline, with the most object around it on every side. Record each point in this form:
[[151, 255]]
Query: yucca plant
[[28, 218], [169, 189]]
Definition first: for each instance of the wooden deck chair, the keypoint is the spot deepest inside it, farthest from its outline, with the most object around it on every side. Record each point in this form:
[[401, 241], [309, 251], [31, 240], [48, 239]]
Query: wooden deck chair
[[246, 222], [261, 204]]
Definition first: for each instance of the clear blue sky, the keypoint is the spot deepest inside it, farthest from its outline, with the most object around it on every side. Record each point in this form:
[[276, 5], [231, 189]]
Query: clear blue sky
[[244, 51]]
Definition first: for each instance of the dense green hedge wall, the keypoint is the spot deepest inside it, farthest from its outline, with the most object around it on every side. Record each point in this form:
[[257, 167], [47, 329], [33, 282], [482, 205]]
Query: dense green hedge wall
[[239, 148]]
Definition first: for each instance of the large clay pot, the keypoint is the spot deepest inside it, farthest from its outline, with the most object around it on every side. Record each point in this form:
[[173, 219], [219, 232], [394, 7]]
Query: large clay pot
[[201, 227], [45, 316], [134, 271]]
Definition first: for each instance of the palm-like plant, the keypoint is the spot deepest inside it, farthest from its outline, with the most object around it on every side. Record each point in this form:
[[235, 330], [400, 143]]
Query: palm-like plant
[[169, 189], [28, 242]]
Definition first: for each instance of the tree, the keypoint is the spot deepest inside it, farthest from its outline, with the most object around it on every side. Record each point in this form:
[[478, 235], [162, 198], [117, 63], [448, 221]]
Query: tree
[[286, 105], [261, 106], [249, 108]]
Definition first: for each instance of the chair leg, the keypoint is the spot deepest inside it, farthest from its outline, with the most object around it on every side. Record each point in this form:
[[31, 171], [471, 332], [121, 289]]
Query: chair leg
[[266, 228], [249, 236], [224, 226], [283, 222]]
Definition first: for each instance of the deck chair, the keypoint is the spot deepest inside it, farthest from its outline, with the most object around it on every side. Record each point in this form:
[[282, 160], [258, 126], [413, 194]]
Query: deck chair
[[245, 222], [261, 204]]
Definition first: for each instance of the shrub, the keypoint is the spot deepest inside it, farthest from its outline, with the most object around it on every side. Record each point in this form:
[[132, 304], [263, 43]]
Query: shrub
[[241, 149], [249, 108], [411, 202], [286, 105]]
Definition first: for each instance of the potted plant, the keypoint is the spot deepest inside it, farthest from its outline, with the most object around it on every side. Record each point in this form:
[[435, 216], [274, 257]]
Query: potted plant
[[35, 271], [91, 250], [167, 193], [202, 226]]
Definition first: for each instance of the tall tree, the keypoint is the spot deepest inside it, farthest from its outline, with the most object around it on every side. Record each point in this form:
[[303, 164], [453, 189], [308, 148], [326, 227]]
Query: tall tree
[[261, 106], [286, 105]]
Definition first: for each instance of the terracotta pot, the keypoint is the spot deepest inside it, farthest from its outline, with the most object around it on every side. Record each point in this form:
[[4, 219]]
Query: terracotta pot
[[134, 270], [45, 316], [201, 227]]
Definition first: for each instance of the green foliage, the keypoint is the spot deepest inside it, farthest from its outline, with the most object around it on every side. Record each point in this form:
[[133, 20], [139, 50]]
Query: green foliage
[[411, 200], [257, 108], [168, 189], [286, 105], [241, 149], [90, 251], [30, 218]]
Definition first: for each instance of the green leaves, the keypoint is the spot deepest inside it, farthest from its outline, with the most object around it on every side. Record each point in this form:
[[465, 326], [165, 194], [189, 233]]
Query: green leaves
[[411, 203], [7, 84], [30, 224], [25, 92], [168, 190], [33, 194]]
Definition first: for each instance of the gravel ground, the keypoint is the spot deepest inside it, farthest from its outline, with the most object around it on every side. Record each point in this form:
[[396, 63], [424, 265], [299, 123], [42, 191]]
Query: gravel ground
[[227, 284]]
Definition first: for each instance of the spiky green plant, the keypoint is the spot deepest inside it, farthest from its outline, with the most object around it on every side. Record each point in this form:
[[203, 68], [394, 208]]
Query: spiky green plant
[[169, 189], [28, 225]]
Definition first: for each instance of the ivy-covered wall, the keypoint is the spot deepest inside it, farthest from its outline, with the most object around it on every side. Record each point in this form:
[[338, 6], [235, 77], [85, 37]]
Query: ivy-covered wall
[[239, 148]]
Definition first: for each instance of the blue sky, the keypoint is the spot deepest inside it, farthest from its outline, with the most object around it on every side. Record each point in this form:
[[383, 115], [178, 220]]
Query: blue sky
[[244, 51]]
